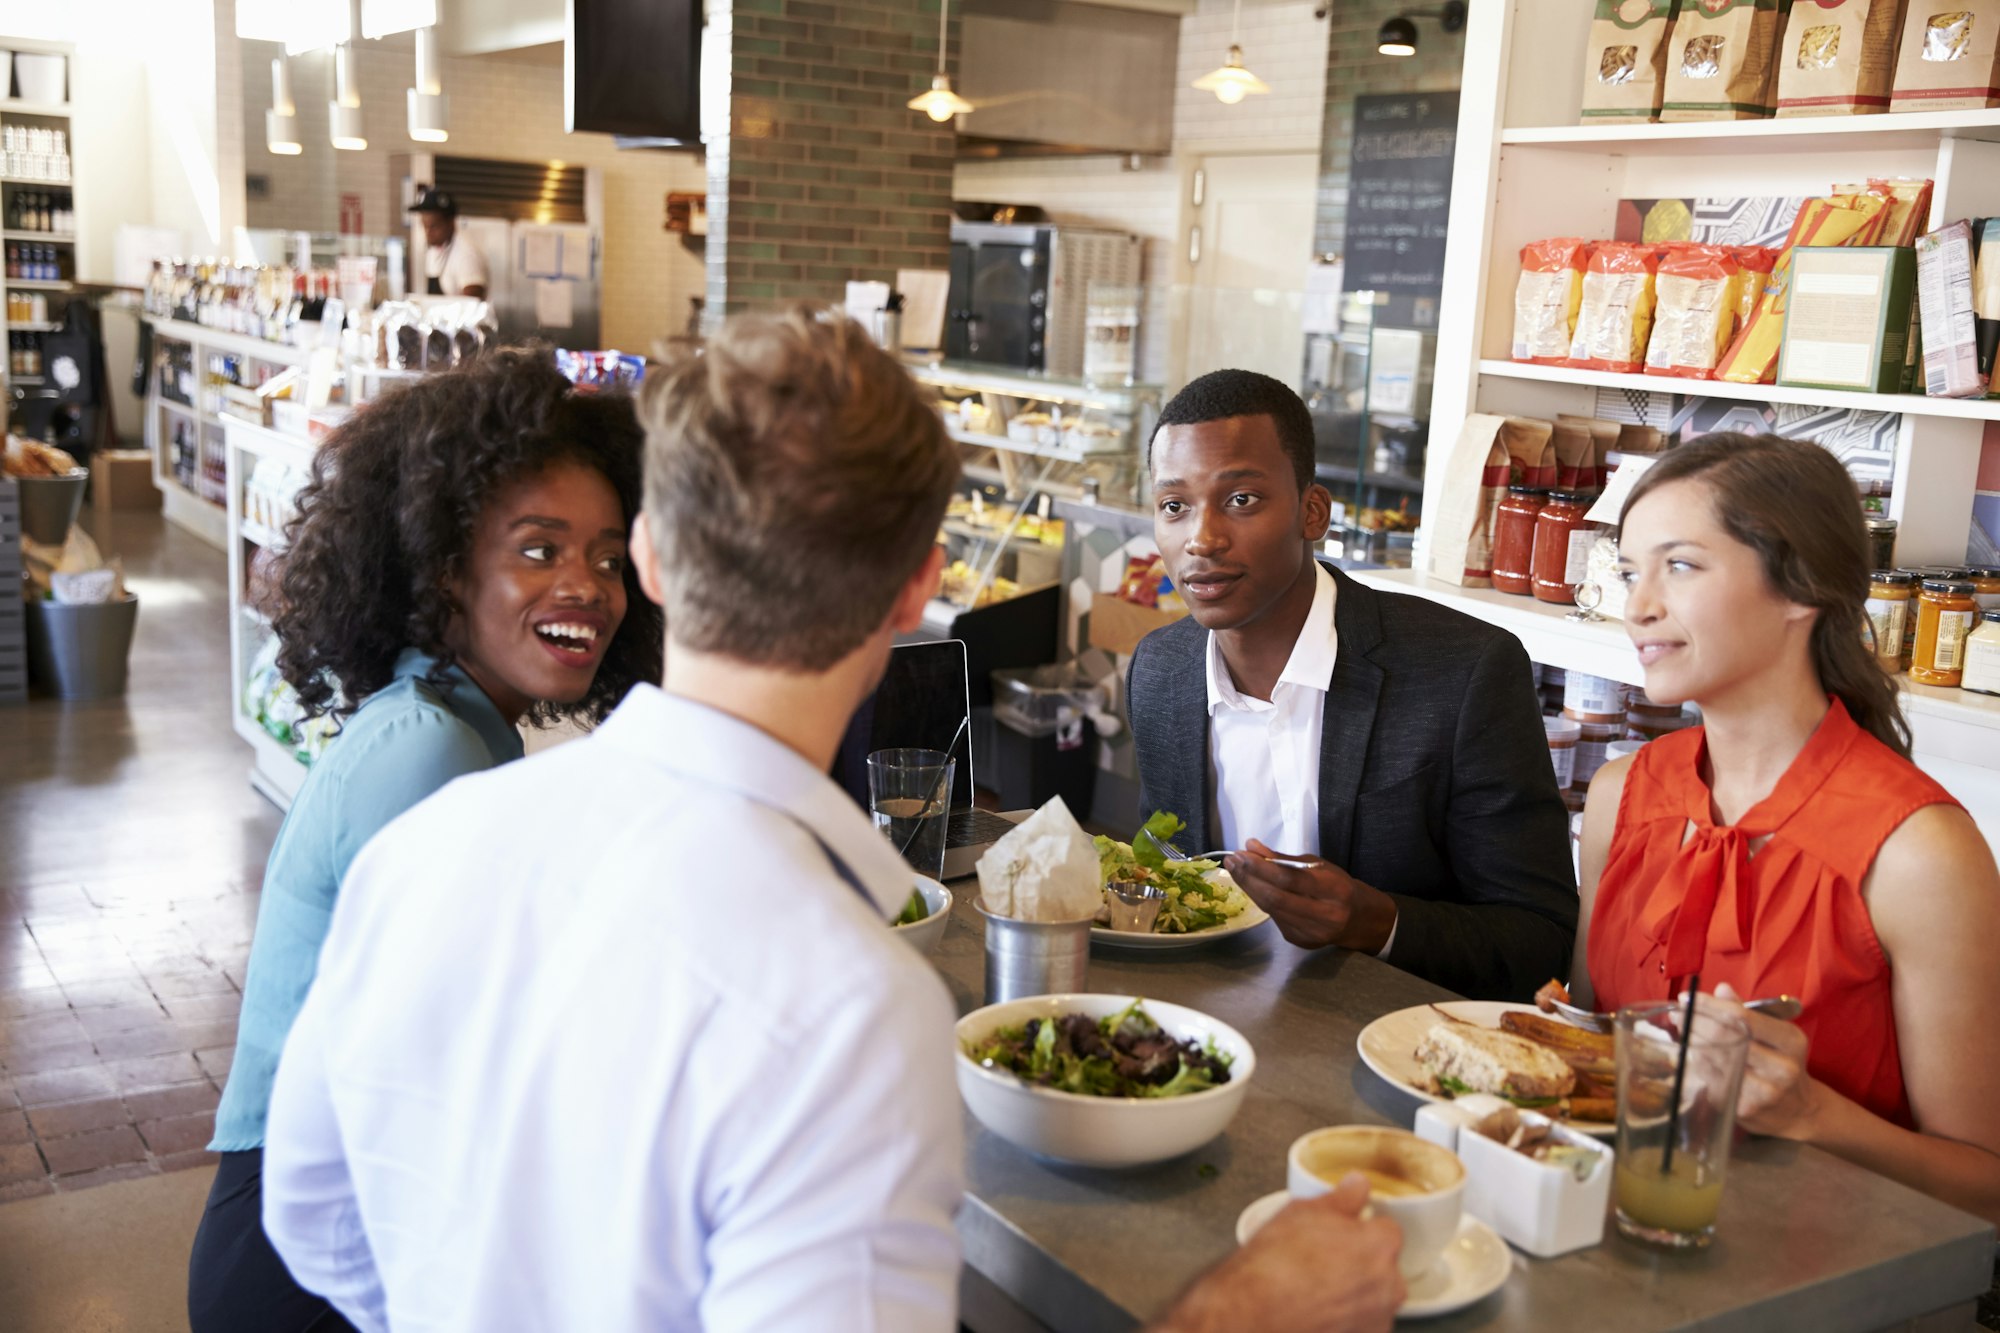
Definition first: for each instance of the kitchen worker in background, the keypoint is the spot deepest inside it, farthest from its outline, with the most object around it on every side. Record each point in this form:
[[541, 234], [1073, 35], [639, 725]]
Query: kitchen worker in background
[[452, 267]]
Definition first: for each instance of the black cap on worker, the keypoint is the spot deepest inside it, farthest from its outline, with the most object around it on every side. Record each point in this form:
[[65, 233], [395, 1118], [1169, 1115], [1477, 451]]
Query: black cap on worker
[[431, 200]]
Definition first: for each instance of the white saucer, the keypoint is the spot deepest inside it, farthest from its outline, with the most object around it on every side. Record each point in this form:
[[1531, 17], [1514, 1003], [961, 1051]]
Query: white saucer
[[1472, 1267]]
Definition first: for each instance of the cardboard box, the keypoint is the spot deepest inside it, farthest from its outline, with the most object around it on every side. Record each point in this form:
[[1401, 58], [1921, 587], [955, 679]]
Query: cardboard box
[[1945, 297], [1117, 625], [123, 479], [1847, 321]]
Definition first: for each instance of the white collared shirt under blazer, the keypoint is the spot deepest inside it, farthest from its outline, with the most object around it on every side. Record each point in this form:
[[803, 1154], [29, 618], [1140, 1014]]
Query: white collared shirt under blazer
[[601, 1040], [1265, 755]]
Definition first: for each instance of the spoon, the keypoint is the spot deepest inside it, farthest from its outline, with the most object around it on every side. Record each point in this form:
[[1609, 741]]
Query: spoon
[[1785, 1007]]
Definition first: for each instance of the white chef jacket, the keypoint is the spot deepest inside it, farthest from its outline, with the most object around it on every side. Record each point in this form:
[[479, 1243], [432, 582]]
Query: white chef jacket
[[601, 1040], [456, 266], [1265, 755]]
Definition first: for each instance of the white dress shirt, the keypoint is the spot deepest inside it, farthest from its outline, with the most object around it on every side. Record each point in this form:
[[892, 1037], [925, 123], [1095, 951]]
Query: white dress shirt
[[456, 265], [1265, 755], [601, 1040]]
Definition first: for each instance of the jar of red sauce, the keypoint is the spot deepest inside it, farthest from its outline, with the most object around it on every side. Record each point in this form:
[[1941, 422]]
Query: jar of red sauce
[[1556, 573], [1514, 539]]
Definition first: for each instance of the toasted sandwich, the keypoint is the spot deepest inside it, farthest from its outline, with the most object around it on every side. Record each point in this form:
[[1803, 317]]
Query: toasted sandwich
[[1464, 1058]]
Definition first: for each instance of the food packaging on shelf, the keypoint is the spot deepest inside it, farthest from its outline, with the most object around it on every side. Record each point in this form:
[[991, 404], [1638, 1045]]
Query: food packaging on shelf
[[1847, 322], [1615, 318], [1986, 294], [1945, 298], [1753, 357], [1625, 63], [1697, 299], [1490, 454], [1950, 56], [1546, 299], [1544, 1206], [1839, 59], [1722, 60]]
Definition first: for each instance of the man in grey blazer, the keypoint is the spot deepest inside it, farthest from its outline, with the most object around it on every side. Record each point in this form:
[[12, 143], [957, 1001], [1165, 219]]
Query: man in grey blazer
[[1388, 749]]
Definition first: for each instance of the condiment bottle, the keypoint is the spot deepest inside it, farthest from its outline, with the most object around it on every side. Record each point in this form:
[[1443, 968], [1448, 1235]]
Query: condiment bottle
[[1514, 539], [1563, 734], [1558, 565], [1982, 657], [1881, 540], [1986, 586], [1946, 613], [1890, 594]]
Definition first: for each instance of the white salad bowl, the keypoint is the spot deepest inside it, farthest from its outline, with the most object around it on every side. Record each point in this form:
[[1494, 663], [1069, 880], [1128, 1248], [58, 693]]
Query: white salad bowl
[[1100, 1131], [923, 936]]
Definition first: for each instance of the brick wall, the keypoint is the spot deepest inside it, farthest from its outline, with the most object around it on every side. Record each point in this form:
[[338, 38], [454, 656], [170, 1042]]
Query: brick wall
[[1353, 67], [508, 106], [823, 174]]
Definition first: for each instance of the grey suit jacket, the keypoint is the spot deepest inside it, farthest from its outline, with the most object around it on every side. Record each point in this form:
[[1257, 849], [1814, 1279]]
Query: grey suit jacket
[[1435, 784]]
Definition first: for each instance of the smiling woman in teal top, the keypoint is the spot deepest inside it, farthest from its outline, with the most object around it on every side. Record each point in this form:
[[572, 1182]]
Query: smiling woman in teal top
[[457, 565]]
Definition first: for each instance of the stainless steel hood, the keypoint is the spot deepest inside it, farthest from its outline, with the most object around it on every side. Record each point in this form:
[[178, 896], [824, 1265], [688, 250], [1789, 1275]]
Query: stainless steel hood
[[1052, 77]]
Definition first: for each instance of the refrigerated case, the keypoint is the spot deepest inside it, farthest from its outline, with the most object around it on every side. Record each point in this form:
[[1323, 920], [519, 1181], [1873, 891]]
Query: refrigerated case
[[538, 225]]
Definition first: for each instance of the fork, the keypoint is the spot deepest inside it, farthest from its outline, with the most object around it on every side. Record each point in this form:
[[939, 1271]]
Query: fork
[[1786, 1007], [1173, 853]]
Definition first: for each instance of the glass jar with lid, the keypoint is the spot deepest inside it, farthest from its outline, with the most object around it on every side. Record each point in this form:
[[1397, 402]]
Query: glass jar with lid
[[1946, 613], [1982, 657], [1891, 597], [1514, 539], [1985, 586], [1558, 565], [1881, 540]]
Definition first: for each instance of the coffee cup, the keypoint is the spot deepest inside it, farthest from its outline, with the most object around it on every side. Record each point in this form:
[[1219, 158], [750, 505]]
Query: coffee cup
[[1414, 1183]]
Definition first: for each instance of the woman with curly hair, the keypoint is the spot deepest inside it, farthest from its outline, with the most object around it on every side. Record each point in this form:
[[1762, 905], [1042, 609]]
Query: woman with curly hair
[[457, 565]]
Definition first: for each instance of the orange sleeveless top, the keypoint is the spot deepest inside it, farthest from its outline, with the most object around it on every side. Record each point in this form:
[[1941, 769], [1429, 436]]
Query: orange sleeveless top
[[1788, 920]]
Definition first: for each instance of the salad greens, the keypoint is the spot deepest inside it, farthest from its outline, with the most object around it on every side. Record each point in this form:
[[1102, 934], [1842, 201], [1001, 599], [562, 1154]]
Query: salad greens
[[1458, 1088], [1125, 1054], [915, 910], [1194, 902]]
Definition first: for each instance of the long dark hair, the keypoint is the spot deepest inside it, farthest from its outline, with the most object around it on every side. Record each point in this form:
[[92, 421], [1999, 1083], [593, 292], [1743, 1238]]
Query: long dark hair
[[388, 518], [1794, 504]]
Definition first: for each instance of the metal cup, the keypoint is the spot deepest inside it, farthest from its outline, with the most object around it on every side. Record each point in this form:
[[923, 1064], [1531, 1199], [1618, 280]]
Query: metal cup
[[1034, 957]]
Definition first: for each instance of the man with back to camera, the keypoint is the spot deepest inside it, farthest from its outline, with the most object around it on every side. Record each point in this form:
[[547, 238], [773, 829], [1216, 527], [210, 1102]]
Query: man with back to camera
[[1392, 746], [616, 1038], [453, 265]]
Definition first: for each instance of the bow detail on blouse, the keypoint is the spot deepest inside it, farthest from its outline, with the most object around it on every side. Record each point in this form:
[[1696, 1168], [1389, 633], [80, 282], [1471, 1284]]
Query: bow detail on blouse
[[1710, 875]]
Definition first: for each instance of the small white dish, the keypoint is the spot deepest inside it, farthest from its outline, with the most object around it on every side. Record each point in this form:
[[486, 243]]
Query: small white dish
[[1474, 1265], [923, 936]]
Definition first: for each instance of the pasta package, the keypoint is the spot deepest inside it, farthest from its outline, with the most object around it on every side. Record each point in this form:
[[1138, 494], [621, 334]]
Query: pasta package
[[1754, 263], [1696, 311], [1546, 298], [1753, 357], [1722, 60], [1626, 63], [1460, 516], [1616, 317], [1947, 302], [1950, 56], [1839, 57], [1909, 209]]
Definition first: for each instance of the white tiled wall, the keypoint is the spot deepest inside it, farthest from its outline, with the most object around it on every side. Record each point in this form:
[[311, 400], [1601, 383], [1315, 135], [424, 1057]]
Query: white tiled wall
[[1285, 46], [502, 106]]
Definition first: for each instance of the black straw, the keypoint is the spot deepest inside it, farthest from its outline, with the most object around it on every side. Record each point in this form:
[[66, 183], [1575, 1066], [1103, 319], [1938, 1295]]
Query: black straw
[[1680, 1077]]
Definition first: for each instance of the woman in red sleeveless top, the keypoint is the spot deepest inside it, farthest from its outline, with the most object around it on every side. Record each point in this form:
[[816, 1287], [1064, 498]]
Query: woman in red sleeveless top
[[1788, 845]]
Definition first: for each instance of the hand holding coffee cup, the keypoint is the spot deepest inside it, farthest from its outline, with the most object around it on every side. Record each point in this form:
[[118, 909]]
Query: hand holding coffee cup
[[1414, 1183]]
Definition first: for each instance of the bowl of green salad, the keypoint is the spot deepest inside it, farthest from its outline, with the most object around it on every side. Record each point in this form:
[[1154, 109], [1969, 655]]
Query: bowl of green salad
[[1101, 1080], [922, 921]]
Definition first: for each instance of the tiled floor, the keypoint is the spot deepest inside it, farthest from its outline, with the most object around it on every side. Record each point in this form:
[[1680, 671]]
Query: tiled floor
[[131, 849]]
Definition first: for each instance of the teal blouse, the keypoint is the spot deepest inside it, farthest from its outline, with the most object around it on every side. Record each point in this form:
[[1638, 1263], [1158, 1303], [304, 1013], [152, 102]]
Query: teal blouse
[[406, 741]]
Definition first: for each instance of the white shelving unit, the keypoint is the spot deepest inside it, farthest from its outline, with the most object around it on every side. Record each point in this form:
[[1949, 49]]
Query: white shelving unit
[[205, 518], [41, 116], [1525, 170], [274, 770]]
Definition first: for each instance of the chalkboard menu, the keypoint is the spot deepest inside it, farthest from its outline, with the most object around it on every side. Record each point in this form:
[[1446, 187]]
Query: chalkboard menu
[[1399, 192]]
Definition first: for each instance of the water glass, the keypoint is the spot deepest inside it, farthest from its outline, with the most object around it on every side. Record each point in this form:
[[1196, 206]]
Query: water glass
[[1663, 1199], [909, 793]]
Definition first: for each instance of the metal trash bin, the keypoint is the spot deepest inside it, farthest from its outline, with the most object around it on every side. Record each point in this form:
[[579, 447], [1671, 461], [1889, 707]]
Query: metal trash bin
[[80, 650], [49, 505], [1048, 721]]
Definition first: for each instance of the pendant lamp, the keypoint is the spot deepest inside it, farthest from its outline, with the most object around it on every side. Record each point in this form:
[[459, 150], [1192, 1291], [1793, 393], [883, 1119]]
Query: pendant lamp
[[281, 122], [940, 103], [1231, 83], [428, 104]]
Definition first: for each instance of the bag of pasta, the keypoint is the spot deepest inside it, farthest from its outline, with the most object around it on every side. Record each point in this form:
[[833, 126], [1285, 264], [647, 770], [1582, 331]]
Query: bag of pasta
[[1950, 59], [1722, 62], [1616, 317], [1625, 66], [1839, 58], [1695, 314], [1546, 298]]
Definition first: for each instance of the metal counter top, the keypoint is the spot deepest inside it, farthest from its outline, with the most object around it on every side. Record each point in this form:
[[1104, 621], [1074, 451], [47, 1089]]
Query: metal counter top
[[1805, 1240]]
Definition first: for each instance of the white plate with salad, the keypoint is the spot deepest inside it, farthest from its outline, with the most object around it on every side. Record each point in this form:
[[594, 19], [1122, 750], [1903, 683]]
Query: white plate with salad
[[1203, 903]]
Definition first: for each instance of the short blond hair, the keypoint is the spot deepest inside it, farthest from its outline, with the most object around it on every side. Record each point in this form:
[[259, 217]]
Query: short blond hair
[[795, 479]]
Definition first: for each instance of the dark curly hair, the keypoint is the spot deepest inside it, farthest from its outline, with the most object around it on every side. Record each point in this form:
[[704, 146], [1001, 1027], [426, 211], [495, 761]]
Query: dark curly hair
[[387, 521], [1222, 394]]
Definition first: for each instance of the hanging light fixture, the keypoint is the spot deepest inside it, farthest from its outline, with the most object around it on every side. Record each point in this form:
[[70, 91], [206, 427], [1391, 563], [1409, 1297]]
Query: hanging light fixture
[[1398, 36], [1231, 83], [428, 104], [281, 122], [344, 111], [940, 103]]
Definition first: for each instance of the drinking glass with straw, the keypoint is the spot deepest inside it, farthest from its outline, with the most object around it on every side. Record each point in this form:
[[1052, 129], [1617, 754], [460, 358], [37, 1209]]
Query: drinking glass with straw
[[1679, 1070]]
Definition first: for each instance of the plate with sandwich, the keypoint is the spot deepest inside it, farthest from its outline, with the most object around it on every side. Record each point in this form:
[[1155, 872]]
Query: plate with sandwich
[[1440, 1051]]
